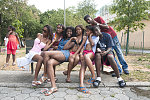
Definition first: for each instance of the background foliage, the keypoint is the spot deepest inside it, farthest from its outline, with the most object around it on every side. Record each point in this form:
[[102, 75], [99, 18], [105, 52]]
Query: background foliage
[[28, 20]]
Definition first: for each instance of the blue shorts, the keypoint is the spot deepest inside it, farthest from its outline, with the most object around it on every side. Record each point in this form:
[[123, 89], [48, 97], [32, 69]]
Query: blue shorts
[[66, 54]]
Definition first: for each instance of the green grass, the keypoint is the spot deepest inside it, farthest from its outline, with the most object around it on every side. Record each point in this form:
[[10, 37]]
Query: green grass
[[137, 76]]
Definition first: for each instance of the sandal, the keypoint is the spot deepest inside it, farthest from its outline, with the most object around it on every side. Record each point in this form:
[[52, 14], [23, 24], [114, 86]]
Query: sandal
[[52, 90], [36, 83], [48, 80], [68, 81], [84, 90], [90, 81], [122, 83], [96, 83], [43, 79], [44, 91]]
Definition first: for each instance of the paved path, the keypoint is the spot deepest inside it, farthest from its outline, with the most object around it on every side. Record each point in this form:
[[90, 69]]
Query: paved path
[[16, 85]]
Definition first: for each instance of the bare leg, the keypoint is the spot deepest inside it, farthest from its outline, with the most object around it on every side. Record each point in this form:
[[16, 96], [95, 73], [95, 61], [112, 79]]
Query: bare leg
[[39, 60], [113, 65], [57, 55], [98, 64], [73, 61], [7, 58], [88, 61], [14, 57], [82, 71], [51, 63], [70, 64], [46, 57]]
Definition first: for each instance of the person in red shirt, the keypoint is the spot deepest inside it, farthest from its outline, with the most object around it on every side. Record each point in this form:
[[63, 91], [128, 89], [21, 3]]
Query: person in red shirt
[[13, 39], [107, 29]]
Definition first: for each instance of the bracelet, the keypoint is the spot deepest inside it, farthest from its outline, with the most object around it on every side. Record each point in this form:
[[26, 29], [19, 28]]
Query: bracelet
[[98, 24]]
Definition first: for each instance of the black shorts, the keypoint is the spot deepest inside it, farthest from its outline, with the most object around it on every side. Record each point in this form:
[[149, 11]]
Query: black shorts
[[104, 59]]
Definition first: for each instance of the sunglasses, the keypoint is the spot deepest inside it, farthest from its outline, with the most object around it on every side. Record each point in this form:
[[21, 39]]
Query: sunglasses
[[44, 31]]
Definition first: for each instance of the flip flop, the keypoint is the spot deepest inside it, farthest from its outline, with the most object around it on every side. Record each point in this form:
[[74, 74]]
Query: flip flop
[[84, 90], [36, 83], [90, 81], [44, 91], [50, 91]]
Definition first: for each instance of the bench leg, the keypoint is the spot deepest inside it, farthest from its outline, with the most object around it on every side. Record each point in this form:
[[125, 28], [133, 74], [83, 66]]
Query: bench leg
[[31, 68]]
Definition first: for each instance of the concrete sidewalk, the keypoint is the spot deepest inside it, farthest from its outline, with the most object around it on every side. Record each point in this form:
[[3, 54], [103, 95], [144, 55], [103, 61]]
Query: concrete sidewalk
[[24, 79], [16, 85]]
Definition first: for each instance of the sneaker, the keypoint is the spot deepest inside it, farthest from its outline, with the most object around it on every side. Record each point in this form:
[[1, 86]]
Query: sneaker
[[122, 83], [114, 75], [96, 83], [126, 71], [13, 64]]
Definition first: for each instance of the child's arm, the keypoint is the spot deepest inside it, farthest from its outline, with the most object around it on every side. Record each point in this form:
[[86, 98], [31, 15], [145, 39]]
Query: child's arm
[[18, 40], [48, 45], [81, 46]]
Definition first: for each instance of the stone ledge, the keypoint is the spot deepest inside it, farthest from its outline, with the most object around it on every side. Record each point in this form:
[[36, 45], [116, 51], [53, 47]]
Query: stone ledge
[[75, 85]]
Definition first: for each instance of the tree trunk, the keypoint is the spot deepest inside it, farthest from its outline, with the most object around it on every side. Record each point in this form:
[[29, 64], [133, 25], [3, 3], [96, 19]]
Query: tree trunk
[[127, 44]]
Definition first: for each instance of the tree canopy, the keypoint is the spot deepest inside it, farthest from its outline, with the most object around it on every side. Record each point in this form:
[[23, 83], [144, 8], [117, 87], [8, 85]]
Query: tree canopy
[[129, 13], [29, 20]]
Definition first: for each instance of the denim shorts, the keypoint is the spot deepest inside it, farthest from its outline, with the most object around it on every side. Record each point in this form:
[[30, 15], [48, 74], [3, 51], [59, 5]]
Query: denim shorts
[[66, 54]]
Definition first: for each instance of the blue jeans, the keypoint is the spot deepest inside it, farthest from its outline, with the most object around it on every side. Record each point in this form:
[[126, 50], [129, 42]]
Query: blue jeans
[[119, 53]]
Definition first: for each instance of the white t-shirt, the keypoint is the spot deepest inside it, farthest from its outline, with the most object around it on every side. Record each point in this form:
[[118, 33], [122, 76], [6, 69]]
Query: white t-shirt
[[95, 40]]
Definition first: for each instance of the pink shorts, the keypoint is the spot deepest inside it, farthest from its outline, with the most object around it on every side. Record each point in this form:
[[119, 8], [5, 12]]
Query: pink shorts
[[88, 51], [11, 51], [71, 53]]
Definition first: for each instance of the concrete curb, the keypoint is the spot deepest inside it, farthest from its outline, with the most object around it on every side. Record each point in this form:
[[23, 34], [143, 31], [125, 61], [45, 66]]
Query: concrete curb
[[74, 85]]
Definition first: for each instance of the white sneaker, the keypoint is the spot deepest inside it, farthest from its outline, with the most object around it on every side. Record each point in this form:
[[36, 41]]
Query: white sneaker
[[13, 63]]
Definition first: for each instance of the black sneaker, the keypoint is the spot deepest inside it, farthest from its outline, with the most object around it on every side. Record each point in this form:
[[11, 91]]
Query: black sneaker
[[96, 83], [114, 75], [126, 71], [122, 83]]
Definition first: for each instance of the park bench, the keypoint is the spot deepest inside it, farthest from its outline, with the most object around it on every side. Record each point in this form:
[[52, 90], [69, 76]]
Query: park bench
[[29, 45]]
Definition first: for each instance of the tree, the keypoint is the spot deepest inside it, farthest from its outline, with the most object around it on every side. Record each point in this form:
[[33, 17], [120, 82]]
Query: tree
[[84, 8], [129, 14], [18, 25]]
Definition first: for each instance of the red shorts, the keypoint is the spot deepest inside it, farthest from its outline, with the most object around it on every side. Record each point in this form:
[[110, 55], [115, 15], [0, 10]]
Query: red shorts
[[71, 53], [11, 51], [88, 51]]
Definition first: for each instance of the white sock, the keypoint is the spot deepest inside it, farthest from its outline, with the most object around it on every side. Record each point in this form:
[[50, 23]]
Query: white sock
[[119, 79], [98, 78]]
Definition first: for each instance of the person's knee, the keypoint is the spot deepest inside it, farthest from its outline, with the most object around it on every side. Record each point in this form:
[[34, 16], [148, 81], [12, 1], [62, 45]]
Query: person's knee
[[77, 58], [86, 57], [110, 57], [81, 57], [71, 60], [40, 59], [97, 56], [43, 53]]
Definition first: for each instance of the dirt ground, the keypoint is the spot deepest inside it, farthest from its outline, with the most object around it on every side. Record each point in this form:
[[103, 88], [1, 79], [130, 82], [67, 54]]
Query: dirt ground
[[139, 65]]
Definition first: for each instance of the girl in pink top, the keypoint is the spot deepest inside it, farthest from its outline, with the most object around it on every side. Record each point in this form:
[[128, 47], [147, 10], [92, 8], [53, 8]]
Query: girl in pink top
[[43, 41], [11, 45]]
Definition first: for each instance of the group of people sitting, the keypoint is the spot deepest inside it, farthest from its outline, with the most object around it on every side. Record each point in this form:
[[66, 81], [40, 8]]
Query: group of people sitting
[[73, 45]]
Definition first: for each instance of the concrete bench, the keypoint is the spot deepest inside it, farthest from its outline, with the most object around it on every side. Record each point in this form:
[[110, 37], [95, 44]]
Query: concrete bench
[[29, 45]]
